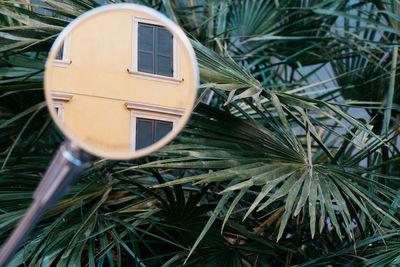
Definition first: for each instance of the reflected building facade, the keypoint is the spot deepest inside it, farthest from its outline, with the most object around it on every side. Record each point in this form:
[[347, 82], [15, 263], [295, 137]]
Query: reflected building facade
[[120, 81]]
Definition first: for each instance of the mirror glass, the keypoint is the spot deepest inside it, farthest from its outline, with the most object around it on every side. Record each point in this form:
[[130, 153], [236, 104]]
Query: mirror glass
[[121, 81]]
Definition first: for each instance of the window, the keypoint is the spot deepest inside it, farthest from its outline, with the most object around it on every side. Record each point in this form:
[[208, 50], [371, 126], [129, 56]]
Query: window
[[59, 99], [155, 52], [62, 57], [150, 131], [59, 107], [60, 53], [150, 123]]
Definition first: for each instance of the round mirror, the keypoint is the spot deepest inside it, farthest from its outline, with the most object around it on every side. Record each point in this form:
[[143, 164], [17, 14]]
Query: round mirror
[[121, 81]]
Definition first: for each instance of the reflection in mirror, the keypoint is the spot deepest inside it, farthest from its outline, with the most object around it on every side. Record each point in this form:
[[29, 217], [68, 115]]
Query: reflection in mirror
[[121, 81]]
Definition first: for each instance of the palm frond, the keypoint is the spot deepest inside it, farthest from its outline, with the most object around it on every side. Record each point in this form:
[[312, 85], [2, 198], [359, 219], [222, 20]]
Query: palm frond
[[281, 171]]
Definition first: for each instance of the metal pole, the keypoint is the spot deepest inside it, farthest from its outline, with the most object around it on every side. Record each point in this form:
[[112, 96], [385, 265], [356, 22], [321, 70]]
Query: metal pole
[[66, 166]]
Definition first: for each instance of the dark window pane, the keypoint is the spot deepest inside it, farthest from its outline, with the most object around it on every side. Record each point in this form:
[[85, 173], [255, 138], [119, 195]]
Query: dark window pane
[[60, 52], [163, 41], [164, 66], [146, 48], [146, 37], [162, 129], [164, 52], [144, 133], [155, 50], [145, 63], [149, 131]]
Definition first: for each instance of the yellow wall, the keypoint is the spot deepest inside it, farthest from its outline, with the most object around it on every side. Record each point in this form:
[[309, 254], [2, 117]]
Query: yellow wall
[[101, 52]]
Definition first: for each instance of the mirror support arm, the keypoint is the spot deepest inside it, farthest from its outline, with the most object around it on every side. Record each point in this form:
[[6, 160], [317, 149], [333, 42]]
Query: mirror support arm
[[65, 167]]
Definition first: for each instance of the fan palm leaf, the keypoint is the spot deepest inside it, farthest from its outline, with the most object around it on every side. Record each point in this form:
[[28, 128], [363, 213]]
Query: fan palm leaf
[[281, 171], [279, 144]]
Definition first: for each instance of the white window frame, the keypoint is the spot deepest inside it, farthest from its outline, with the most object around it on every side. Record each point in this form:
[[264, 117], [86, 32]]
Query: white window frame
[[152, 112], [60, 109], [134, 72], [59, 99], [65, 61]]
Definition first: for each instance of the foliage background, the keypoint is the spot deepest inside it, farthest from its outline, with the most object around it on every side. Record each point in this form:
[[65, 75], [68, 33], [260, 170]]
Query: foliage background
[[291, 156]]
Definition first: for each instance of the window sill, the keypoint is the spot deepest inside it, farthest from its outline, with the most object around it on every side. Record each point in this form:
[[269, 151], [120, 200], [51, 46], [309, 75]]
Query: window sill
[[154, 77], [62, 63]]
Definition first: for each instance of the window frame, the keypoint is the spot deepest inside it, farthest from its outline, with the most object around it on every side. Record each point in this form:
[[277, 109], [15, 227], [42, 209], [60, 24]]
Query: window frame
[[59, 99], [151, 112], [134, 72], [59, 106], [65, 61]]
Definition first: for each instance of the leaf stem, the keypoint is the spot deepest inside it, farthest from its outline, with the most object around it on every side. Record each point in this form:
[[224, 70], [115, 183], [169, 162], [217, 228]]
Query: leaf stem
[[389, 96]]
